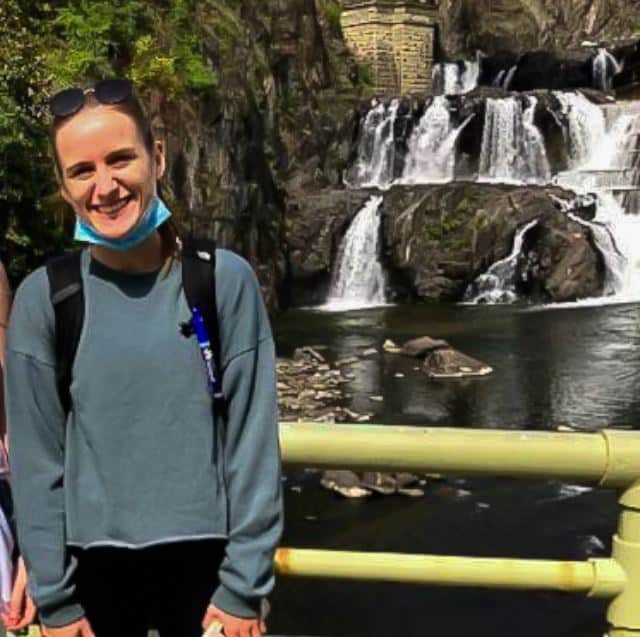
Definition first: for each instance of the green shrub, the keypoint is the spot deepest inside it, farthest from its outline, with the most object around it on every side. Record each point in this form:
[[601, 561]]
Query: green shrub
[[332, 10]]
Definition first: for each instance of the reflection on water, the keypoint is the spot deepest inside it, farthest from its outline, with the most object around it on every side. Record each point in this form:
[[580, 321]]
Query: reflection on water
[[571, 365], [575, 365]]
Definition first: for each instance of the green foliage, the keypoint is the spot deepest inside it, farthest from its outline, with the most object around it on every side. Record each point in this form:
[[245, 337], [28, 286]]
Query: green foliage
[[332, 11], [96, 36], [156, 44], [363, 75], [45, 46], [27, 231]]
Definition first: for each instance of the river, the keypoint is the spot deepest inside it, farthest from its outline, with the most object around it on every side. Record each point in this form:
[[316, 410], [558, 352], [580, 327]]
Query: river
[[573, 365]]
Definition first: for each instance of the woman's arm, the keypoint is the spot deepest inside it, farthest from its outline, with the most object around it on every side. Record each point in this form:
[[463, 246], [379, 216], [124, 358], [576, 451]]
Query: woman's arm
[[36, 423], [251, 449]]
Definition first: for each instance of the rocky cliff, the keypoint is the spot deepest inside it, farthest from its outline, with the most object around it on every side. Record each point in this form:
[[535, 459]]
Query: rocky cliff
[[278, 128], [517, 25]]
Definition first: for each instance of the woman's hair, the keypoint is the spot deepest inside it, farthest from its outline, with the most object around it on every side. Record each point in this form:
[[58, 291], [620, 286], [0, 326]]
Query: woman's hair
[[132, 108]]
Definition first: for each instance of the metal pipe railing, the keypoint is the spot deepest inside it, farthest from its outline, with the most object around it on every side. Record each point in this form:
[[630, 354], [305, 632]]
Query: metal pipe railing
[[608, 458], [605, 458], [597, 577]]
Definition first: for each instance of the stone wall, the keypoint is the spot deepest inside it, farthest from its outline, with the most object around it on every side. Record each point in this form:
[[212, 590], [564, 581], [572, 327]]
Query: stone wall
[[395, 38]]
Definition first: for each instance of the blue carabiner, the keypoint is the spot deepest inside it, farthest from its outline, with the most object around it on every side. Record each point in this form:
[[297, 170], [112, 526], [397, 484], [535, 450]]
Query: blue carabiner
[[206, 351]]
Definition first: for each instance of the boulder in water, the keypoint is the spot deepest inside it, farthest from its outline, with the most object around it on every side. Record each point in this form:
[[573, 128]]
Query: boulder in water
[[420, 347], [439, 238], [346, 483], [390, 347], [359, 485], [450, 363]]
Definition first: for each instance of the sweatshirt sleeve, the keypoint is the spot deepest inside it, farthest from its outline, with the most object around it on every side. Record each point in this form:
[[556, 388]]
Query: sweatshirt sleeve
[[251, 449], [37, 432]]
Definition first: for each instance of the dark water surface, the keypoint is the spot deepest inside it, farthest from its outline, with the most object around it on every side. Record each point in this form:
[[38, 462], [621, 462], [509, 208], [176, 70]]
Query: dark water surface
[[574, 365]]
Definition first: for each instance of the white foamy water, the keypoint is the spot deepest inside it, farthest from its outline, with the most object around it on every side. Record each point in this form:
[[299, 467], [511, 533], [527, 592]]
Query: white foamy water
[[513, 149], [602, 161], [497, 284], [605, 66], [431, 152], [358, 279], [509, 78], [455, 78], [376, 148]]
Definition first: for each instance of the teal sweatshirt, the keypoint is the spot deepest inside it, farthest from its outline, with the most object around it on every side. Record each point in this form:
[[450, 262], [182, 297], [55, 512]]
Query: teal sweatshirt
[[140, 460]]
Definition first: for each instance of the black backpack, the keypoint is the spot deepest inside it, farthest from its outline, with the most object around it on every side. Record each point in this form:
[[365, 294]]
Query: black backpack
[[67, 298]]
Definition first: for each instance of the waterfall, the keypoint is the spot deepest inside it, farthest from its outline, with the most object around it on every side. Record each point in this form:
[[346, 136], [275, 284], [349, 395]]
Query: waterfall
[[497, 80], [455, 78], [585, 127], [497, 284], [605, 66], [376, 149], [512, 146], [431, 149], [614, 260], [603, 160], [358, 280], [507, 80]]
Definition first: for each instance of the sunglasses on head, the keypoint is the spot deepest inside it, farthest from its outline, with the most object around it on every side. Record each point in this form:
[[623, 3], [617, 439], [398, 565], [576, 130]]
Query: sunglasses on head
[[71, 100]]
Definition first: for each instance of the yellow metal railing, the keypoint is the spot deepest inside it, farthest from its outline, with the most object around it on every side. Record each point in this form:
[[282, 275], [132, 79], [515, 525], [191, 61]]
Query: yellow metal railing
[[605, 458]]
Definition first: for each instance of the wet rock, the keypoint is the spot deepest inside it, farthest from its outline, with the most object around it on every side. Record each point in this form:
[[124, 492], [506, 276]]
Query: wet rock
[[346, 483], [350, 360], [420, 347], [439, 238], [315, 224], [382, 483], [390, 347], [308, 387], [358, 485], [520, 25], [450, 363], [303, 352], [561, 262], [540, 69]]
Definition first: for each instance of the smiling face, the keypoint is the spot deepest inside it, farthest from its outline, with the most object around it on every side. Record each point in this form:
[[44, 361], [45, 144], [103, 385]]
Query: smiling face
[[107, 174]]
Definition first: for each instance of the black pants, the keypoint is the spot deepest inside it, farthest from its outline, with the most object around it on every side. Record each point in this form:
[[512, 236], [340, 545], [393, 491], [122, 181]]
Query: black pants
[[126, 592]]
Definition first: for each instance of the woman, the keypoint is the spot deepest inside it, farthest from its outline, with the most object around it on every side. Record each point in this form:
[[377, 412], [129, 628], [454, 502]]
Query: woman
[[130, 514], [16, 607], [6, 536]]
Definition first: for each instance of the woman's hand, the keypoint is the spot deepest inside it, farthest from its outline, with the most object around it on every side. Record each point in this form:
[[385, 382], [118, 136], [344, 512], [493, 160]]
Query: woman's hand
[[81, 628], [234, 626], [21, 610]]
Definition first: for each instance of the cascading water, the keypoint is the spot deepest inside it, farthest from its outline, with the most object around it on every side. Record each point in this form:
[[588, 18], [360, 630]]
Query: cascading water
[[601, 145], [497, 284], [431, 148], [605, 66], [602, 159], [499, 78], [455, 78], [358, 279], [584, 126], [376, 149], [509, 78], [512, 146]]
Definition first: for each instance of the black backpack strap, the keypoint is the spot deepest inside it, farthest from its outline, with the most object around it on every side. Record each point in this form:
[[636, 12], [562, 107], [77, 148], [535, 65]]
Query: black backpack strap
[[67, 298], [199, 283]]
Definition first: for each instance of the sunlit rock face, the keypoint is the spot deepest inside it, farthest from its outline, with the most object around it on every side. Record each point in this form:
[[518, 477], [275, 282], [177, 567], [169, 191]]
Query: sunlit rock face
[[521, 25], [278, 128]]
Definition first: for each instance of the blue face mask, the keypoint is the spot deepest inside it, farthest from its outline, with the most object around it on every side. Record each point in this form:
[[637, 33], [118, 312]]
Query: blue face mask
[[154, 216]]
